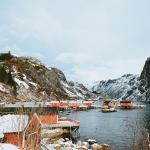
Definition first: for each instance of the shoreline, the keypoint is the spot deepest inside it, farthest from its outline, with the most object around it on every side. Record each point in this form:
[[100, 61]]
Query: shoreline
[[66, 144]]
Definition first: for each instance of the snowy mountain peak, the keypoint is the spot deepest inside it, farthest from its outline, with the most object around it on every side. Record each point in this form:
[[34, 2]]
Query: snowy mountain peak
[[125, 87]]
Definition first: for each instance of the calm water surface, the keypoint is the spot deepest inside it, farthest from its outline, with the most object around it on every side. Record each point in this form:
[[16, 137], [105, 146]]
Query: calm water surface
[[111, 128]]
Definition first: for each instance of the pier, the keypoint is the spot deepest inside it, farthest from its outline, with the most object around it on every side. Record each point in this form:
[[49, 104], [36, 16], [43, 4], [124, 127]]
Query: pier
[[71, 125]]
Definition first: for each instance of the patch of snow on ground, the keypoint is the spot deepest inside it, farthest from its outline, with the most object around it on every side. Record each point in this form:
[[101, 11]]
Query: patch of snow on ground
[[25, 78], [34, 84], [19, 82], [64, 84], [3, 89], [4, 146]]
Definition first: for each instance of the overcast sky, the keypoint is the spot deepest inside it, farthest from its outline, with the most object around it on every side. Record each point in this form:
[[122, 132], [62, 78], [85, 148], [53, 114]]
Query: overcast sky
[[89, 40]]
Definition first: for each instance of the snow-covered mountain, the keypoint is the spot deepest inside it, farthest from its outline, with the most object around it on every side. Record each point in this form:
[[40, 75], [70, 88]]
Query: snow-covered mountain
[[120, 88], [129, 86], [27, 79]]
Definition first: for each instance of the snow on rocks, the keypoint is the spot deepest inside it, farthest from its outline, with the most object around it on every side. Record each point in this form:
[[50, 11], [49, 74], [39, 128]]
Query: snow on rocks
[[86, 144], [75, 89], [34, 84], [63, 144], [96, 146], [3, 89], [91, 141], [21, 83]]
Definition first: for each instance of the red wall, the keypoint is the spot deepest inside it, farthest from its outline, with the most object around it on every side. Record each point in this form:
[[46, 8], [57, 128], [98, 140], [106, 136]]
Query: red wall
[[46, 119], [13, 138]]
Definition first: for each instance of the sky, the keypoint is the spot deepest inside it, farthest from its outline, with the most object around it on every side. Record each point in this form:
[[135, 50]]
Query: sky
[[89, 40]]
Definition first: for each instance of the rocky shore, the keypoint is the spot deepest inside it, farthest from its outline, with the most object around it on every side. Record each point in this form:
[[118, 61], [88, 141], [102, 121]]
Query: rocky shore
[[66, 144]]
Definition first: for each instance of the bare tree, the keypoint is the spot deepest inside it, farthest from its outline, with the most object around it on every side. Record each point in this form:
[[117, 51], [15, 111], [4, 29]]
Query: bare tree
[[138, 134]]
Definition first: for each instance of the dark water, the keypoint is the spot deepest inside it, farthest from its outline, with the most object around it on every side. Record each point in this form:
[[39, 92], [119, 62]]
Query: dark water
[[112, 128]]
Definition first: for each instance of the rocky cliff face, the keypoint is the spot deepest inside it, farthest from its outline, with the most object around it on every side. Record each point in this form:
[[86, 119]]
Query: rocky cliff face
[[145, 79], [27, 79], [132, 87]]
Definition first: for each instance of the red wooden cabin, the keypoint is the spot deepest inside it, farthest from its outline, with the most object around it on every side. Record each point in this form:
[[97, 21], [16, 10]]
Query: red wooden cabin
[[126, 104], [47, 119], [21, 131]]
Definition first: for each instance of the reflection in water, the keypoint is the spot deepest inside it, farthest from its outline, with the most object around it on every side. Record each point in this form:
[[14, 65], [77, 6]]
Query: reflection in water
[[120, 129]]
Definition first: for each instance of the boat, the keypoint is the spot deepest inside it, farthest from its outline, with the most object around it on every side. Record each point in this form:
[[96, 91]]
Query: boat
[[82, 108], [141, 106], [108, 110], [91, 141]]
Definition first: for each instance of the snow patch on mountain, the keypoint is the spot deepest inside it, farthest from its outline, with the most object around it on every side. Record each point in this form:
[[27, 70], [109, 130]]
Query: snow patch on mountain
[[3, 89], [21, 83], [76, 90]]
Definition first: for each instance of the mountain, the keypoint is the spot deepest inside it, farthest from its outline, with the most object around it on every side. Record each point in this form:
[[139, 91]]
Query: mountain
[[129, 86], [27, 79], [145, 79]]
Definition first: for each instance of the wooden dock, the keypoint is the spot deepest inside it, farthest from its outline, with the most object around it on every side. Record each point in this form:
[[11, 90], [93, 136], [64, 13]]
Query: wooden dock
[[72, 126]]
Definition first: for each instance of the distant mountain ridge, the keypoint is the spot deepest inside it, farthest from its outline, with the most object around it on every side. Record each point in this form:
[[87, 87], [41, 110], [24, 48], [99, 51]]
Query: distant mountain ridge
[[129, 86], [27, 79]]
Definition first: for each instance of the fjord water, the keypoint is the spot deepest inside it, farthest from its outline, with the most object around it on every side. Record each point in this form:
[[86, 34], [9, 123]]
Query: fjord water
[[112, 128]]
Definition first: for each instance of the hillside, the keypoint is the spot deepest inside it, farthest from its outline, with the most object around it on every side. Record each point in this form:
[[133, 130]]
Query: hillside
[[120, 88], [132, 87], [27, 79]]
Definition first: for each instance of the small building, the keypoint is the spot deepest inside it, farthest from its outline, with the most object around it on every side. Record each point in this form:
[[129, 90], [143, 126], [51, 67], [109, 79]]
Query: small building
[[110, 103], [89, 103], [71, 104], [21, 131], [126, 104]]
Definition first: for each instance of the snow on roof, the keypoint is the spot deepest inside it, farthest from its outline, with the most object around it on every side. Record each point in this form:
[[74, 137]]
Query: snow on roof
[[13, 123], [4, 146]]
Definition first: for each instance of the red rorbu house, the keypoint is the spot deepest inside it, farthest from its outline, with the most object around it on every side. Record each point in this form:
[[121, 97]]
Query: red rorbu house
[[63, 104], [122, 104], [73, 104], [21, 131], [54, 104], [89, 103], [127, 104], [53, 121]]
